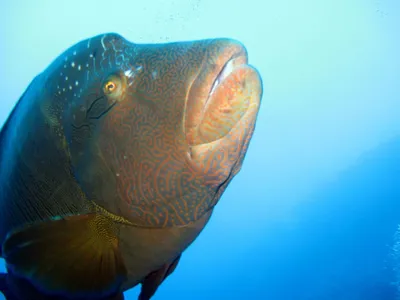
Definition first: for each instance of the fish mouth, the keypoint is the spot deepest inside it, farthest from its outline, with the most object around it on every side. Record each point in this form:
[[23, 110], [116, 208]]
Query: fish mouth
[[237, 59], [220, 94], [213, 71], [221, 112]]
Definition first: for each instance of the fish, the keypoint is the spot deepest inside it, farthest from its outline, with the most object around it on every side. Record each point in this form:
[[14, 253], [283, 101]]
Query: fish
[[113, 160]]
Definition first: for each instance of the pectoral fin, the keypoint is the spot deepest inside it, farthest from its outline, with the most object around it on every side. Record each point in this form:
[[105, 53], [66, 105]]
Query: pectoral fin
[[76, 256], [154, 279]]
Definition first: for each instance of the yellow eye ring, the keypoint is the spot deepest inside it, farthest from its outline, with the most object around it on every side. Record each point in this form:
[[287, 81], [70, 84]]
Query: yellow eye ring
[[114, 87], [110, 87]]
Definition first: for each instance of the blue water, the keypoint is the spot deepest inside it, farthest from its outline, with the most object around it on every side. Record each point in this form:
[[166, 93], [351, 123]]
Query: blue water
[[315, 210]]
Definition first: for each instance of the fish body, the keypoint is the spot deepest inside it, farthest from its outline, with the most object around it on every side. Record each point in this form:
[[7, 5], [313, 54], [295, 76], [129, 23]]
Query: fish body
[[113, 160]]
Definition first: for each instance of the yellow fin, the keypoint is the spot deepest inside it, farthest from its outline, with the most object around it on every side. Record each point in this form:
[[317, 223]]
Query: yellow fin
[[72, 256]]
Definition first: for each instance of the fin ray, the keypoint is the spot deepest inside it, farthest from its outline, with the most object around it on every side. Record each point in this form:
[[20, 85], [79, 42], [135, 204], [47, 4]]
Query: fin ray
[[74, 256]]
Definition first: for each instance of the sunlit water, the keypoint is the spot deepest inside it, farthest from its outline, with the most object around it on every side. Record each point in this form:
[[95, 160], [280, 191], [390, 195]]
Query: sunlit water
[[315, 209]]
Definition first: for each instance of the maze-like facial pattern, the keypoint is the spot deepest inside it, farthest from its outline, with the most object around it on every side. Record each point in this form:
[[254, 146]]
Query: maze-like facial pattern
[[156, 132]]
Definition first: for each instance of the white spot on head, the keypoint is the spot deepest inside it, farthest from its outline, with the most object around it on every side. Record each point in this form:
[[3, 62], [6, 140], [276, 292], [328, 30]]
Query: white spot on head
[[102, 42], [74, 53], [154, 74], [70, 87], [91, 55], [66, 77], [87, 65], [128, 73], [73, 64], [76, 83], [117, 174], [65, 66], [63, 89], [125, 157], [79, 67], [66, 58]]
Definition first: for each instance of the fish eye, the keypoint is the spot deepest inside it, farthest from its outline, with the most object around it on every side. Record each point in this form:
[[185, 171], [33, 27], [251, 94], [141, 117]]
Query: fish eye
[[114, 87], [110, 86]]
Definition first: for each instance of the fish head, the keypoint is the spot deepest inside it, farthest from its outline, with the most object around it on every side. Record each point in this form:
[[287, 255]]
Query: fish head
[[156, 132]]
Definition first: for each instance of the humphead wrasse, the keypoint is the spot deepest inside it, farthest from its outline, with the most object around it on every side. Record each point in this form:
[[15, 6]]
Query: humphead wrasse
[[112, 162]]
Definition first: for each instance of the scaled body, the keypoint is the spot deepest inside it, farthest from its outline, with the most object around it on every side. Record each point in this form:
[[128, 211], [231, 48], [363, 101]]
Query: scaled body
[[114, 158]]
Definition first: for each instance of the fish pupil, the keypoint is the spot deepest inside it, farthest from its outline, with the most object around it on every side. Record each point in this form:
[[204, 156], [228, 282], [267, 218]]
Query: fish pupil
[[110, 86]]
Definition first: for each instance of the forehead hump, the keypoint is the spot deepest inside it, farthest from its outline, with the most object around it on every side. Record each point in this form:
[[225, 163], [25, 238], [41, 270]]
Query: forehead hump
[[88, 60]]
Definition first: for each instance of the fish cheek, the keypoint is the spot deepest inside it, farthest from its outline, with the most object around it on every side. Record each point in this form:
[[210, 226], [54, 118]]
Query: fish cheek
[[86, 131]]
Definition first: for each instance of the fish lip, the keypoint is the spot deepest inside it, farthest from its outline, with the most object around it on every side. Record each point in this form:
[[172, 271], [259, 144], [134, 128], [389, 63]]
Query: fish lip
[[239, 55], [211, 68]]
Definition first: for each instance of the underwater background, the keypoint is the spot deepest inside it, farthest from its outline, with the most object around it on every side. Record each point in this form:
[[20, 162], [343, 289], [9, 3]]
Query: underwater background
[[315, 212]]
